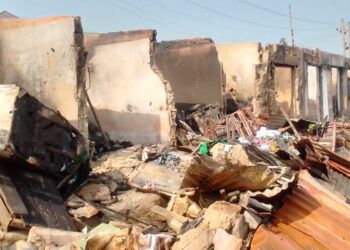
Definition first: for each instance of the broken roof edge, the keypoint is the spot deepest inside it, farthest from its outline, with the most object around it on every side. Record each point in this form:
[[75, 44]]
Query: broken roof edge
[[239, 43], [92, 39], [314, 57], [96, 39], [323, 57], [10, 23], [177, 44]]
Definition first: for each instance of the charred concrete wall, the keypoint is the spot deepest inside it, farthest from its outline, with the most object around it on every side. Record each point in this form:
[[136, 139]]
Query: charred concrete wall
[[318, 81], [192, 69], [137, 85], [301, 81], [31, 132], [239, 64], [129, 97], [45, 57]]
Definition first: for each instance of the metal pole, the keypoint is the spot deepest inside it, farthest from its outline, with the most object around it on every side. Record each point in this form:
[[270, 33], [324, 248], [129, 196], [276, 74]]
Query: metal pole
[[342, 36], [291, 25], [349, 38]]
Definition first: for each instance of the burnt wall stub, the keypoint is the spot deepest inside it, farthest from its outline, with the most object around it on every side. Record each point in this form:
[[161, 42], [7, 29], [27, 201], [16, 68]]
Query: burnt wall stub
[[42, 137]]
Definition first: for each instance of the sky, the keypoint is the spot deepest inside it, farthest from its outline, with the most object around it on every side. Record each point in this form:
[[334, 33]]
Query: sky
[[225, 21]]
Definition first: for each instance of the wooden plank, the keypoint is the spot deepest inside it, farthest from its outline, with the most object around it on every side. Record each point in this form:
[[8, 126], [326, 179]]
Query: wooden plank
[[167, 214], [45, 203], [28, 199], [92, 108], [56, 204], [5, 217], [334, 136], [295, 131], [9, 194]]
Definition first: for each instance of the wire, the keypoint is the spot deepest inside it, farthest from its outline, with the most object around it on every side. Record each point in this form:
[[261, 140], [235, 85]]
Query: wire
[[161, 18], [200, 6], [284, 15], [130, 12], [233, 17], [141, 16], [184, 14], [251, 22]]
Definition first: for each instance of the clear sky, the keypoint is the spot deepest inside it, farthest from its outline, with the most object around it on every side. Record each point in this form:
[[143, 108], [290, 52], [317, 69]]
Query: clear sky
[[225, 21]]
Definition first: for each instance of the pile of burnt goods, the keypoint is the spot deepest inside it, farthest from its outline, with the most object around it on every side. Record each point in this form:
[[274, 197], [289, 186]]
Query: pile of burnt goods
[[228, 178], [39, 151]]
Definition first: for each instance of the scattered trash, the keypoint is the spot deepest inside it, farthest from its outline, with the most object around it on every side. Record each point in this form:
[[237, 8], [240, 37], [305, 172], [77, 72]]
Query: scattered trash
[[169, 161]]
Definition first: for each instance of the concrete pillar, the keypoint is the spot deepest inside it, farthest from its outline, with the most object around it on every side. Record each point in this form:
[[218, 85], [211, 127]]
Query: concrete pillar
[[318, 93], [295, 105], [326, 97], [337, 89], [300, 87], [344, 90], [261, 101], [304, 87], [312, 91]]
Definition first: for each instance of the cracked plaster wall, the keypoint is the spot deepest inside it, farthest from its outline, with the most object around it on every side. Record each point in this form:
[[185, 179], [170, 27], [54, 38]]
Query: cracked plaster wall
[[43, 57], [239, 64], [132, 101], [193, 70], [135, 83]]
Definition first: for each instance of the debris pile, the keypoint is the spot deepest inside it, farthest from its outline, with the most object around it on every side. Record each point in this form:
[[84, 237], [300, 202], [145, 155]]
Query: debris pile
[[216, 190], [158, 197], [231, 181]]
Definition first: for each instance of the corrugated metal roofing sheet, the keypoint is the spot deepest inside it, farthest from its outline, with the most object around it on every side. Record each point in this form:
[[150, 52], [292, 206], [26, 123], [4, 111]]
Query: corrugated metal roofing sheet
[[276, 121], [340, 181], [311, 218]]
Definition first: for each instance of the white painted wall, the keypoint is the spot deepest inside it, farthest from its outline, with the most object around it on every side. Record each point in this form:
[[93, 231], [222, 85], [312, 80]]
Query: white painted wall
[[39, 55], [129, 97]]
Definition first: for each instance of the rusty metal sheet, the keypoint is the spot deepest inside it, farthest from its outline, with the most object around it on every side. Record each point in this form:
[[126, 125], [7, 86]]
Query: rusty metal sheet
[[340, 182], [282, 184], [311, 218], [276, 121], [209, 175], [339, 168]]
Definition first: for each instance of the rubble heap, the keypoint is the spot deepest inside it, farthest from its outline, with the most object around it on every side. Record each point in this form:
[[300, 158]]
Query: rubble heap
[[232, 180]]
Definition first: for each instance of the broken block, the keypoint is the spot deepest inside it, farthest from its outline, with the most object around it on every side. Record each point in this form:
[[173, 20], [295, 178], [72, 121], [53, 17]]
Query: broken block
[[31, 132]]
